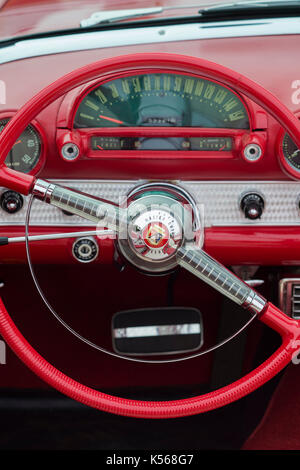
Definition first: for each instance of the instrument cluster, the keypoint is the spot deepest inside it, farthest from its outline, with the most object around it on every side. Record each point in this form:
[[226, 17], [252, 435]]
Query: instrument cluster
[[154, 115]]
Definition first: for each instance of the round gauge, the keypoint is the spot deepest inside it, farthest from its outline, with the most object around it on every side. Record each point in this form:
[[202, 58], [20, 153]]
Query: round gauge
[[85, 249], [161, 100], [291, 152], [26, 151]]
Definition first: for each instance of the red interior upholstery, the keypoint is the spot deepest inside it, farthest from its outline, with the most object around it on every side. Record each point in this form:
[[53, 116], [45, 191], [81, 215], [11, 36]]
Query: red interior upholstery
[[279, 428]]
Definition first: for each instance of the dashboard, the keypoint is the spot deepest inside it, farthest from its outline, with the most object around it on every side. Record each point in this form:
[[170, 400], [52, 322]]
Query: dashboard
[[154, 116], [124, 128]]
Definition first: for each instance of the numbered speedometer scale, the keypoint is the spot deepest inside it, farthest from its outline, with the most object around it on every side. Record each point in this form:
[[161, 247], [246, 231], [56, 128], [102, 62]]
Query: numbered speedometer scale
[[161, 100], [26, 151]]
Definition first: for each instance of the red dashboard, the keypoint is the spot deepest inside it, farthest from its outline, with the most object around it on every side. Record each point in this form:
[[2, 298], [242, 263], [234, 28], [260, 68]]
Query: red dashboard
[[152, 145], [218, 160]]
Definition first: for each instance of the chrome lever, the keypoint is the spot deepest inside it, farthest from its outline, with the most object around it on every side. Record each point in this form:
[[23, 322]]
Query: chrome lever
[[55, 236]]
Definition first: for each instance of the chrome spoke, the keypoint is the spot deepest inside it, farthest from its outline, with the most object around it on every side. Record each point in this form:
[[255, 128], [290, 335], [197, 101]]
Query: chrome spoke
[[84, 205], [188, 256], [220, 278]]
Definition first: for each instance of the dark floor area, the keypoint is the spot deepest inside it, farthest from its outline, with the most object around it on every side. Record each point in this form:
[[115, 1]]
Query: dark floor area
[[45, 420], [49, 421]]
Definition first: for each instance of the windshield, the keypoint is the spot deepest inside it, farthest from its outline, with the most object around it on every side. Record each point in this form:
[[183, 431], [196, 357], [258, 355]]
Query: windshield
[[19, 18]]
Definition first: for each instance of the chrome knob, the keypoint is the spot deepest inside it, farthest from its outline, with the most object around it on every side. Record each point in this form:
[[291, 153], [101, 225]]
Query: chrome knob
[[11, 201], [252, 205]]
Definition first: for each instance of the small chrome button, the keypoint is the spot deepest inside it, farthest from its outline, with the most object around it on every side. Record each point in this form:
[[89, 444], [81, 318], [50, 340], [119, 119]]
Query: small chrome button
[[252, 152], [70, 151]]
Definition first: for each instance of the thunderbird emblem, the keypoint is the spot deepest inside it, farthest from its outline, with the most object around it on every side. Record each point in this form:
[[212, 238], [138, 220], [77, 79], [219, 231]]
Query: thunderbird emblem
[[156, 235]]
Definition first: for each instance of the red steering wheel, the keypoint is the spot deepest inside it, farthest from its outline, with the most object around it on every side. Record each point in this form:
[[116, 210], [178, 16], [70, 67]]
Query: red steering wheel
[[288, 328]]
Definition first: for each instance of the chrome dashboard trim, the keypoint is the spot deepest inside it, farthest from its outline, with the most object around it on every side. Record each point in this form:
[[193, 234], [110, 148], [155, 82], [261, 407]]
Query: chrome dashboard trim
[[157, 330], [89, 40], [289, 300], [219, 202]]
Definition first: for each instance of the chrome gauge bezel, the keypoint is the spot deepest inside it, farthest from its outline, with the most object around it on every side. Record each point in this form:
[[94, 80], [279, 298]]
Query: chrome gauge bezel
[[40, 134]]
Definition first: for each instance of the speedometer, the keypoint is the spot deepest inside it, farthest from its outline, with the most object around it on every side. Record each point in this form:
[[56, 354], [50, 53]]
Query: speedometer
[[161, 100]]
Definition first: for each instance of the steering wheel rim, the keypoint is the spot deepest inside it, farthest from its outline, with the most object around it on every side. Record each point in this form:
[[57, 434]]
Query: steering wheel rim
[[288, 328]]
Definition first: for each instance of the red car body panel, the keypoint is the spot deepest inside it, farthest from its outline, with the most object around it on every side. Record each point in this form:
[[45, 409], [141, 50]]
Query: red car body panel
[[24, 17]]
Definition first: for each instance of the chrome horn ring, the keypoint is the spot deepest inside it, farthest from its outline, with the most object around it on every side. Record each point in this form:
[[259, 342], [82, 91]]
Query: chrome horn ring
[[162, 216]]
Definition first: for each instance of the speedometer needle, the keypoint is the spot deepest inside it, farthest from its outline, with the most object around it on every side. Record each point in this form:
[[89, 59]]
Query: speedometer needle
[[18, 142], [111, 119], [295, 153]]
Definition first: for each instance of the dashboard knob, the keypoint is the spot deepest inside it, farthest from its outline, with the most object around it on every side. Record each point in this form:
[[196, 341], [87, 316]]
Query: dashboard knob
[[252, 205], [11, 201]]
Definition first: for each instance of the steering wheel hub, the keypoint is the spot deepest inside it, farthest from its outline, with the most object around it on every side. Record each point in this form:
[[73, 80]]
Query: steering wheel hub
[[161, 216], [156, 234]]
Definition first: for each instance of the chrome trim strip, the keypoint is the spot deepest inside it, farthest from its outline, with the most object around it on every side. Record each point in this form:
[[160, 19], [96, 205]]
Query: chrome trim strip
[[90, 40], [287, 297], [157, 330], [219, 202]]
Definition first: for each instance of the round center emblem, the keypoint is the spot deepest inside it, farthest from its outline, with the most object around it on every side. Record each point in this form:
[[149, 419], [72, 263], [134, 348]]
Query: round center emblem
[[160, 217], [156, 235]]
